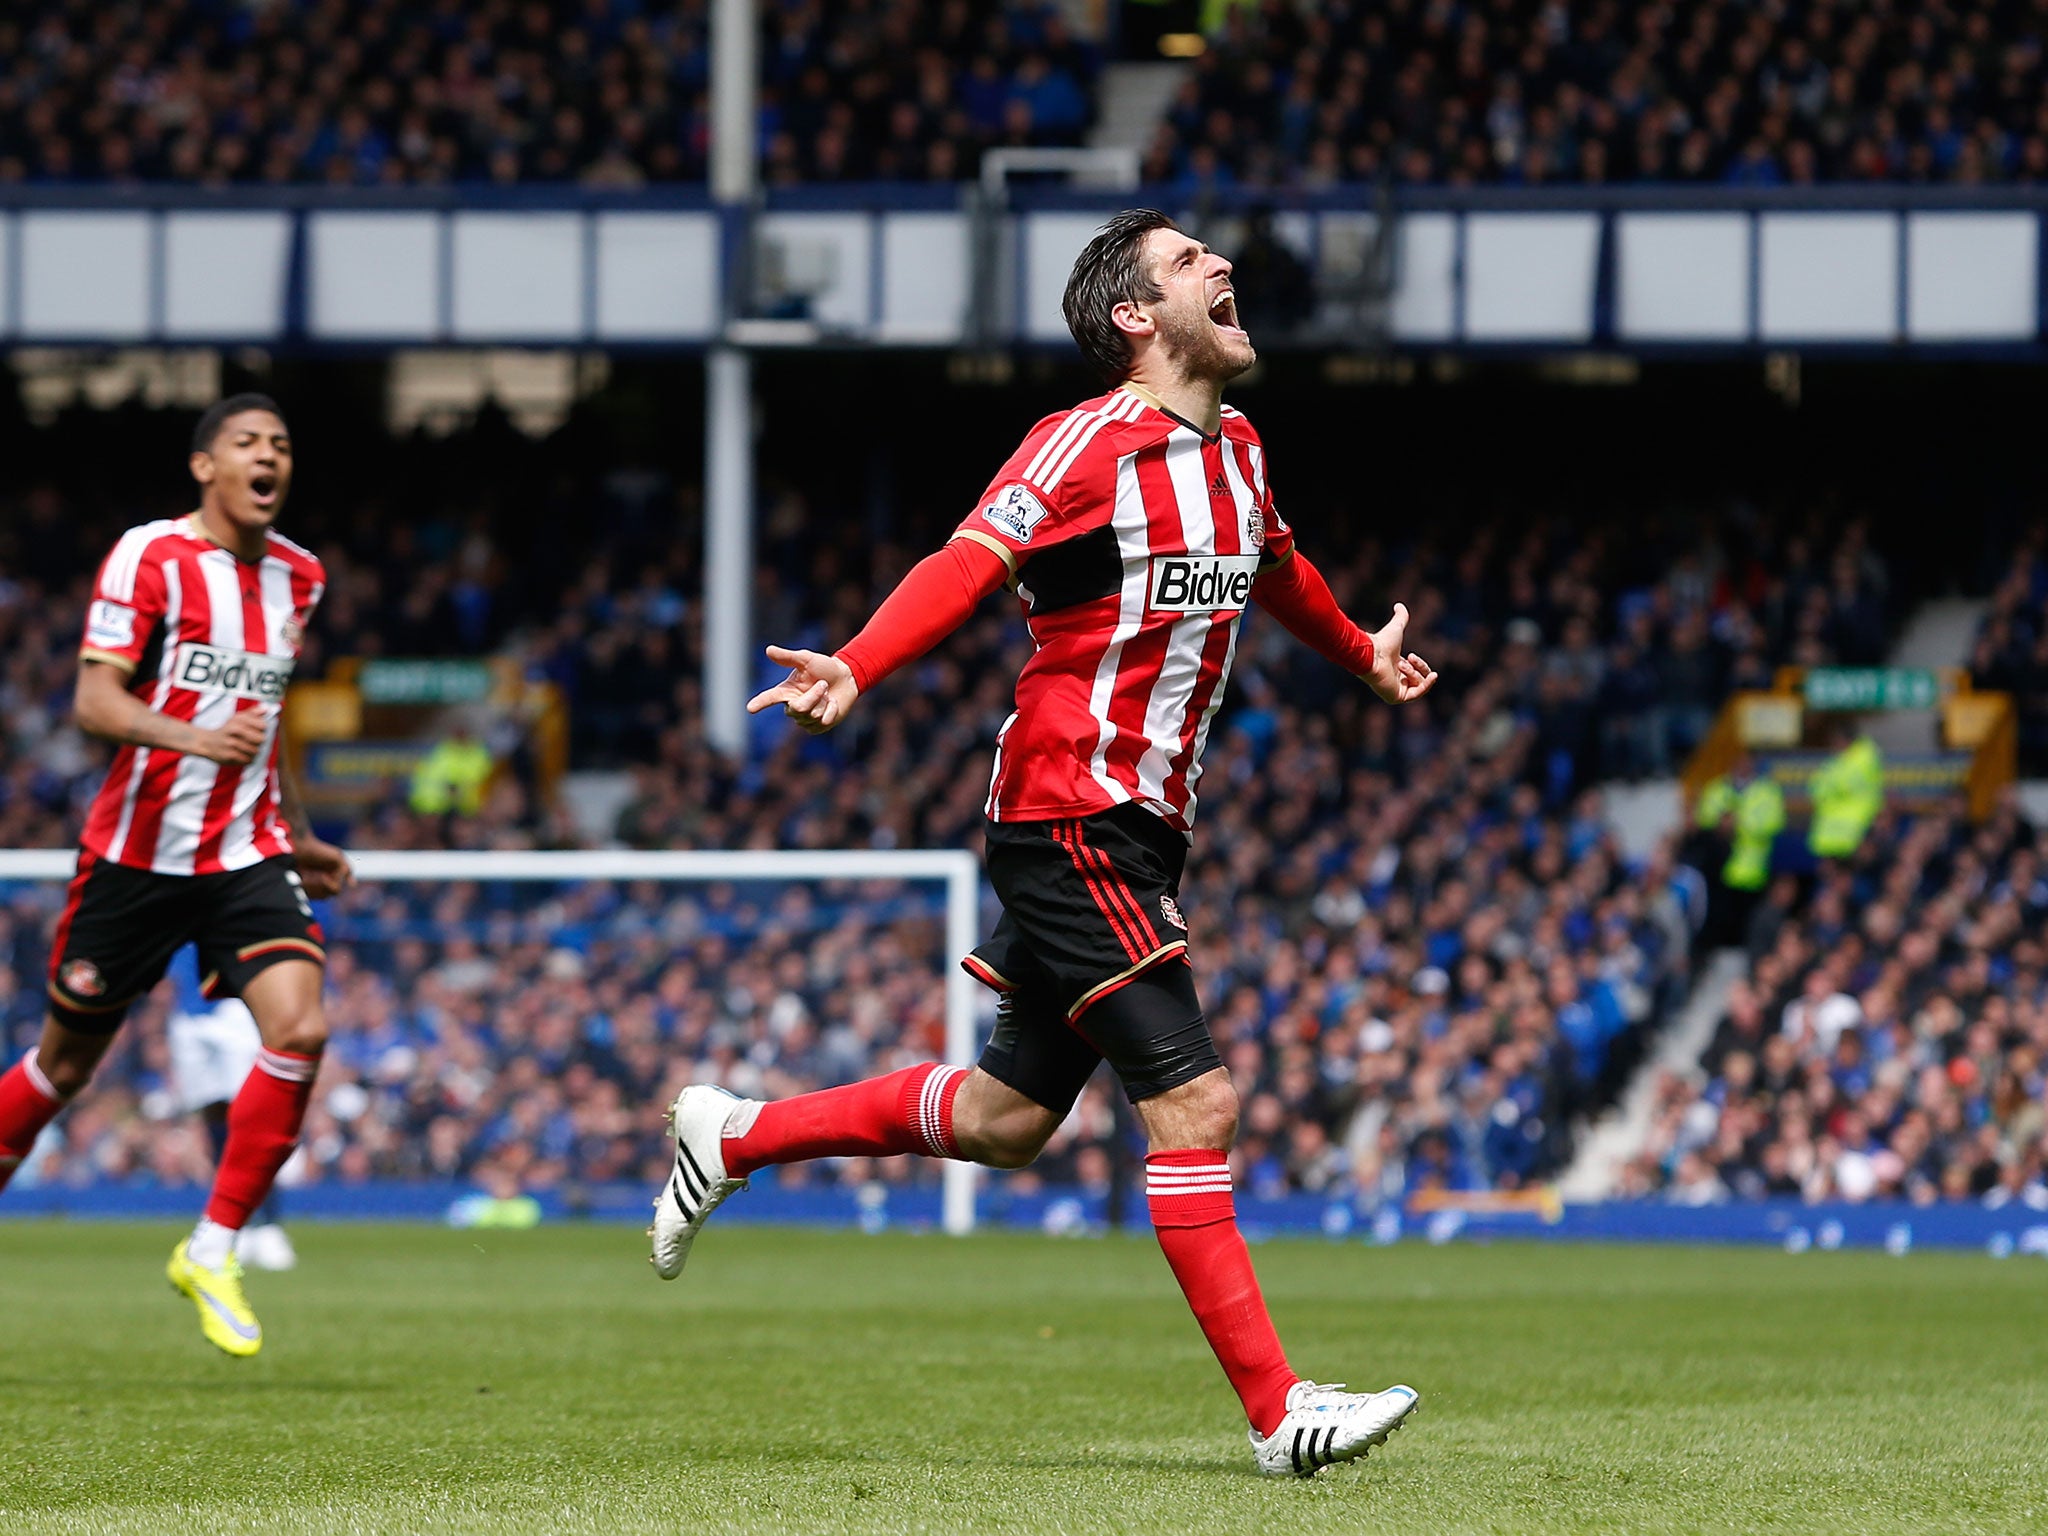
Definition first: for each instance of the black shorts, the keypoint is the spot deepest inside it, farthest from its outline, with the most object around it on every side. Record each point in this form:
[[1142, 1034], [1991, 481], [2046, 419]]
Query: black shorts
[[1090, 905], [122, 925]]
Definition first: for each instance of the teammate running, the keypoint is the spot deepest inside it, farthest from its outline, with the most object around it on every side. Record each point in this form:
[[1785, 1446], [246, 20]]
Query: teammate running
[[1134, 529], [196, 835]]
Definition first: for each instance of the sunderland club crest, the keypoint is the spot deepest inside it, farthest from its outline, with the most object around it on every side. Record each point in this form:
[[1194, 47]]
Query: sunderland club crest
[[81, 978]]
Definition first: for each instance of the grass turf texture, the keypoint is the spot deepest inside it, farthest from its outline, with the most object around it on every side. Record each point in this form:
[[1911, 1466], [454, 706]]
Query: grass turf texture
[[420, 1380]]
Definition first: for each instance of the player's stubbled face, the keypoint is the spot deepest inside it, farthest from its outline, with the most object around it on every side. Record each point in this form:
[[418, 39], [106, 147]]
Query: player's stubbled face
[[1197, 312], [252, 467]]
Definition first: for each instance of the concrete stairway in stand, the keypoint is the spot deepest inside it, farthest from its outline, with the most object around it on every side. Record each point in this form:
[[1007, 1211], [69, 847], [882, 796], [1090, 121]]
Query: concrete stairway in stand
[[1134, 97]]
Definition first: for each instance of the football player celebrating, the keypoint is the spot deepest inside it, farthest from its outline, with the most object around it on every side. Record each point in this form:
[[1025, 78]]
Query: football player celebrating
[[1134, 529], [197, 835]]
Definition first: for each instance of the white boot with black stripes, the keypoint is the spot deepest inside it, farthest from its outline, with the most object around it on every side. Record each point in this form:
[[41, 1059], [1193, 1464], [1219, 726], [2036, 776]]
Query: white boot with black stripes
[[1326, 1425]]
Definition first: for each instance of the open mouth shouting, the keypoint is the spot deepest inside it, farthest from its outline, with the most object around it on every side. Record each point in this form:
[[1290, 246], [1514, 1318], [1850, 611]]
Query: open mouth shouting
[[263, 490], [1223, 313]]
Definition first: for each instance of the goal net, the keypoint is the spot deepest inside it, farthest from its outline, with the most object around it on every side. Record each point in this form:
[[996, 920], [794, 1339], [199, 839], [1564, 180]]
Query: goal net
[[517, 1014]]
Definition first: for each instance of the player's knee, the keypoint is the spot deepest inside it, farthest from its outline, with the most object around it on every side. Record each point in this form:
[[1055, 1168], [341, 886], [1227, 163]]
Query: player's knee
[[1197, 1114], [1213, 1110], [67, 1070], [302, 1032]]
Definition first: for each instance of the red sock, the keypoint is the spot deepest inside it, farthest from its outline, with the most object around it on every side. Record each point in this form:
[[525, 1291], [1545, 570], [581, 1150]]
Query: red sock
[[27, 1104], [263, 1127], [1196, 1223], [907, 1111]]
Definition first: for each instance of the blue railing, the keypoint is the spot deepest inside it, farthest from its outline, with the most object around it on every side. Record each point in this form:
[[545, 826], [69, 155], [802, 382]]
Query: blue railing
[[2014, 1228]]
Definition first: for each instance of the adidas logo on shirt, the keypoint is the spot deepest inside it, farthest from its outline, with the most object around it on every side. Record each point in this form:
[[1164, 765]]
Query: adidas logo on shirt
[[1220, 487]]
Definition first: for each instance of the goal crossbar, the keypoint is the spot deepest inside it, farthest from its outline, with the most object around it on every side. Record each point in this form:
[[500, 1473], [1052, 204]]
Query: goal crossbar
[[953, 867]]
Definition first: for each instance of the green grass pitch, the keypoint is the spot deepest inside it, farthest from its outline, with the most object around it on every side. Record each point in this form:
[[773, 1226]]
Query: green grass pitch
[[419, 1380]]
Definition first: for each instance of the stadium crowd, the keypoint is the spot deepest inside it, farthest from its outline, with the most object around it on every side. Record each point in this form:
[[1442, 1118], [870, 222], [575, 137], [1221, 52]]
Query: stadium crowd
[[1416, 939], [1531, 92], [1417, 975], [602, 92], [613, 92], [1889, 1038]]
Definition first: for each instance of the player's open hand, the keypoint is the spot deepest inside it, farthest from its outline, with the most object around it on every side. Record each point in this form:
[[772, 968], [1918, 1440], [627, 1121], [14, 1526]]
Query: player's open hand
[[1396, 677], [817, 693], [235, 743], [324, 870]]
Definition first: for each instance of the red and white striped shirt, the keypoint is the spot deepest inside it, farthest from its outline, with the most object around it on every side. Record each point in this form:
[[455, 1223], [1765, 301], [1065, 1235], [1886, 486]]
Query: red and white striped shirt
[[204, 636], [1134, 539]]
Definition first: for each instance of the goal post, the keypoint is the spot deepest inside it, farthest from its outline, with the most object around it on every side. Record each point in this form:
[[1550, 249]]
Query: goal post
[[956, 869]]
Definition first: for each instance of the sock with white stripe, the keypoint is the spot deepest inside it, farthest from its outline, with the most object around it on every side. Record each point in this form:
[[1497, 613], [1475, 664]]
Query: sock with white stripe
[[1195, 1220], [907, 1111], [27, 1104], [263, 1127]]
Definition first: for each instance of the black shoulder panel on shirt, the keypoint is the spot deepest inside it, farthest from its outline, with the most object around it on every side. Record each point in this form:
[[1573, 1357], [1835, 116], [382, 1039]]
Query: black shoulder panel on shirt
[[143, 678], [1077, 571]]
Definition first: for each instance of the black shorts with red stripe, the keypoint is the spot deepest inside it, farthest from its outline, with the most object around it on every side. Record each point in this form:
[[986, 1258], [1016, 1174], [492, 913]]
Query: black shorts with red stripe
[[1091, 905], [122, 925]]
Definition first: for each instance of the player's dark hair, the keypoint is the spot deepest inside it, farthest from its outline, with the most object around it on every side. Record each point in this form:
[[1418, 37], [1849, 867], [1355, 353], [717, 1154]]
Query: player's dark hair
[[1111, 270], [218, 413]]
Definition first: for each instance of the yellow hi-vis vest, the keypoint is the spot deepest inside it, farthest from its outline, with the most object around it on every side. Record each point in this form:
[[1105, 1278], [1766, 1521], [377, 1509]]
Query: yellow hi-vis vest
[[451, 777], [1848, 793], [1716, 800], [1759, 818]]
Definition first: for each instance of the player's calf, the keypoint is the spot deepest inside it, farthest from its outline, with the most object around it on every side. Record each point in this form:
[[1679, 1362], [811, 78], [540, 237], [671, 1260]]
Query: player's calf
[[721, 1139], [263, 1127], [28, 1102], [998, 1127], [36, 1088]]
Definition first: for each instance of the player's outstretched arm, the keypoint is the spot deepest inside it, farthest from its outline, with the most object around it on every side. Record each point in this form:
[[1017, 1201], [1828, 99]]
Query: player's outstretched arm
[[105, 708], [928, 604], [324, 870]]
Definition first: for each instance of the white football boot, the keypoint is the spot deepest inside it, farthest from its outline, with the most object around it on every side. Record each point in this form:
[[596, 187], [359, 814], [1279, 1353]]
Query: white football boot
[[698, 1185], [265, 1247], [1325, 1424]]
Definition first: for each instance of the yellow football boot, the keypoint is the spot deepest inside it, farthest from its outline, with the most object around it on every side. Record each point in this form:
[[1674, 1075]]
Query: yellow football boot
[[224, 1315]]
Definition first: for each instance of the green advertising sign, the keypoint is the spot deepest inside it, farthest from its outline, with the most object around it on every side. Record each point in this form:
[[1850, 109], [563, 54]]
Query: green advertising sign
[[393, 680], [1871, 688]]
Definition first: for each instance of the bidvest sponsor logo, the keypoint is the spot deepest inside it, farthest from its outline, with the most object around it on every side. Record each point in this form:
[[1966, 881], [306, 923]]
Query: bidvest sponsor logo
[[1202, 583], [245, 674]]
